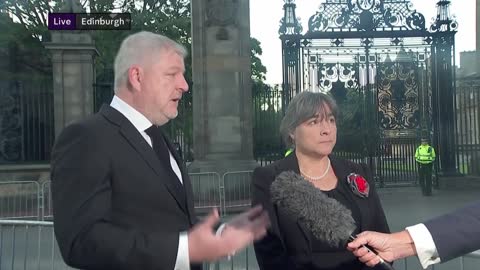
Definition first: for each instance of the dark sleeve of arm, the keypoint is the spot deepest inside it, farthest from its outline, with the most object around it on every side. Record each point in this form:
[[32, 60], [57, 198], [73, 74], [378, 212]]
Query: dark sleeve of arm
[[82, 194], [457, 233], [269, 251]]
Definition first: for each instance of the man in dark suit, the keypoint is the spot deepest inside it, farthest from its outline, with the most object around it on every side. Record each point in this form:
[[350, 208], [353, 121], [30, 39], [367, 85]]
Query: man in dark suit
[[435, 241], [122, 198]]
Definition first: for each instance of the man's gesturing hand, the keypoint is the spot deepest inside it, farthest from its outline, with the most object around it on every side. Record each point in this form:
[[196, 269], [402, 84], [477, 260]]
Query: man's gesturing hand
[[240, 231]]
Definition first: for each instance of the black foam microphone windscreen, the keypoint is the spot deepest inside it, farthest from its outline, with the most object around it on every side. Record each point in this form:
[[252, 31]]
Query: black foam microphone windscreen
[[326, 217]]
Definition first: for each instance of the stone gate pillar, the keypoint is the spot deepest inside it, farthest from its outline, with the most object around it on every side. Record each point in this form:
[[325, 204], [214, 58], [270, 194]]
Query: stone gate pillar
[[222, 101], [73, 56]]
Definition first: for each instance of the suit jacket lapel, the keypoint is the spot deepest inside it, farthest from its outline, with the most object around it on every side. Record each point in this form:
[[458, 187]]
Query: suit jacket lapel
[[136, 140], [187, 185]]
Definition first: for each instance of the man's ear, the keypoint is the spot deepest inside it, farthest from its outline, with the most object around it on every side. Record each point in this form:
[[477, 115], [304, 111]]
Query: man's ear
[[135, 77]]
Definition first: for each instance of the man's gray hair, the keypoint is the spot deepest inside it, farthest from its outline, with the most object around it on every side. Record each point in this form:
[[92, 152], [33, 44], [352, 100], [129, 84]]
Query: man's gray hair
[[302, 107], [139, 47]]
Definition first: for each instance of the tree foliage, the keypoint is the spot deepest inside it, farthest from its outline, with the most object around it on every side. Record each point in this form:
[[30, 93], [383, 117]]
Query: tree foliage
[[32, 14], [258, 69], [168, 17], [27, 28], [23, 54]]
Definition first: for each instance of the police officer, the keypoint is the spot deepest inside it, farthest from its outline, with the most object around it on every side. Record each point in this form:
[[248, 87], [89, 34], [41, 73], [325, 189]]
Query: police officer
[[425, 156], [289, 151]]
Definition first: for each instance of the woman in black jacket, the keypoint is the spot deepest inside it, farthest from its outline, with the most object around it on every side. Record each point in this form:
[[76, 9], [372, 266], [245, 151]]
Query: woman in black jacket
[[309, 126]]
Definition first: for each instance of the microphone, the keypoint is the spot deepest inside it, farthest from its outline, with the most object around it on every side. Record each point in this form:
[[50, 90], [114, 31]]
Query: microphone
[[325, 217]]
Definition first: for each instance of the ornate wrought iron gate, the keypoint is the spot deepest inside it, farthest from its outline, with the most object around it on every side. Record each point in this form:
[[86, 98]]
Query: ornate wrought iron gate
[[387, 72]]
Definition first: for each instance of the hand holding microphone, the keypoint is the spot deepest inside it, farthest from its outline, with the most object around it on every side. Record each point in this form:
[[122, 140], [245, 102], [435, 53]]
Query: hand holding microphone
[[392, 246], [325, 217]]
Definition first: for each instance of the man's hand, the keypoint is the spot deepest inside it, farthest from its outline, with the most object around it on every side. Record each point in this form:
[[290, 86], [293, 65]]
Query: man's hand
[[242, 230], [389, 246], [245, 228]]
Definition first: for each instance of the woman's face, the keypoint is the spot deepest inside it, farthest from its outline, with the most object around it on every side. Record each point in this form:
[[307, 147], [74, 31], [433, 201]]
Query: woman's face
[[316, 136]]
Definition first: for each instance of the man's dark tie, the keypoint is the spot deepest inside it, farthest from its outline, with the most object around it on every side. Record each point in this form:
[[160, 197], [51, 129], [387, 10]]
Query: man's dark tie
[[161, 149], [158, 144]]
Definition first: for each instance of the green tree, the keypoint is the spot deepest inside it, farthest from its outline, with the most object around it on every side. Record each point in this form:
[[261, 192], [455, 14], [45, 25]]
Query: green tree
[[32, 14], [171, 18], [23, 53], [167, 17], [258, 69]]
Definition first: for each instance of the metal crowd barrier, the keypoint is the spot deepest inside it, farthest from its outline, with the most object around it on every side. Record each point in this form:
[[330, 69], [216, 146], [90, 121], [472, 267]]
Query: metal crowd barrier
[[470, 259], [207, 191], [29, 245], [32, 245], [236, 187], [29, 200], [46, 199], [244, 259], [20, 200]]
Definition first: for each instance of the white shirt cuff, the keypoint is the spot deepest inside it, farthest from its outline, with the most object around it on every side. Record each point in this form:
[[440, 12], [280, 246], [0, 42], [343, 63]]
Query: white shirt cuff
[[425, 246], [183, 258], [220, 229], [219, 232]]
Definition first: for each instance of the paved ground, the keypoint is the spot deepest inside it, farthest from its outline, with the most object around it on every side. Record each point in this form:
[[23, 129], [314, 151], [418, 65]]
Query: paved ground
[[407, 206]]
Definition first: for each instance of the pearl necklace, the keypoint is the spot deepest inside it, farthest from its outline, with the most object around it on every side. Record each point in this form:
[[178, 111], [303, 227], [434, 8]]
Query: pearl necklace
[[318, 177]]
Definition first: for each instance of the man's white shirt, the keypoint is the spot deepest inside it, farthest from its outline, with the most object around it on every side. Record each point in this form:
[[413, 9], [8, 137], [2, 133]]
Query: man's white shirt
[[425, 246]]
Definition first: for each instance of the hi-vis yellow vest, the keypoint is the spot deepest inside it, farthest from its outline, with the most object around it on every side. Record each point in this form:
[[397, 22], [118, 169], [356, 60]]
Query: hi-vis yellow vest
[[425, 154]]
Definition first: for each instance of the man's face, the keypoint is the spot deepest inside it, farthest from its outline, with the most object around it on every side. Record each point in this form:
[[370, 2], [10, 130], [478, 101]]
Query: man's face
[[162, 86]]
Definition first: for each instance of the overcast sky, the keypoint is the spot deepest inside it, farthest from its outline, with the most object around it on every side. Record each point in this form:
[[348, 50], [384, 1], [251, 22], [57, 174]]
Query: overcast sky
[[266, 14]]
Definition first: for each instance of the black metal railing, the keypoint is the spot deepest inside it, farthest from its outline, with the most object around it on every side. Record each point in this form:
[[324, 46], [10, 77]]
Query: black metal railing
[[468, 125], [395, 162], [267, 115], [26, 120]]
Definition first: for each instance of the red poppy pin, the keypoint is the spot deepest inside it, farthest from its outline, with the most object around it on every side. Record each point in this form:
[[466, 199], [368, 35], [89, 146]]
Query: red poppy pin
[[358, 184]]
